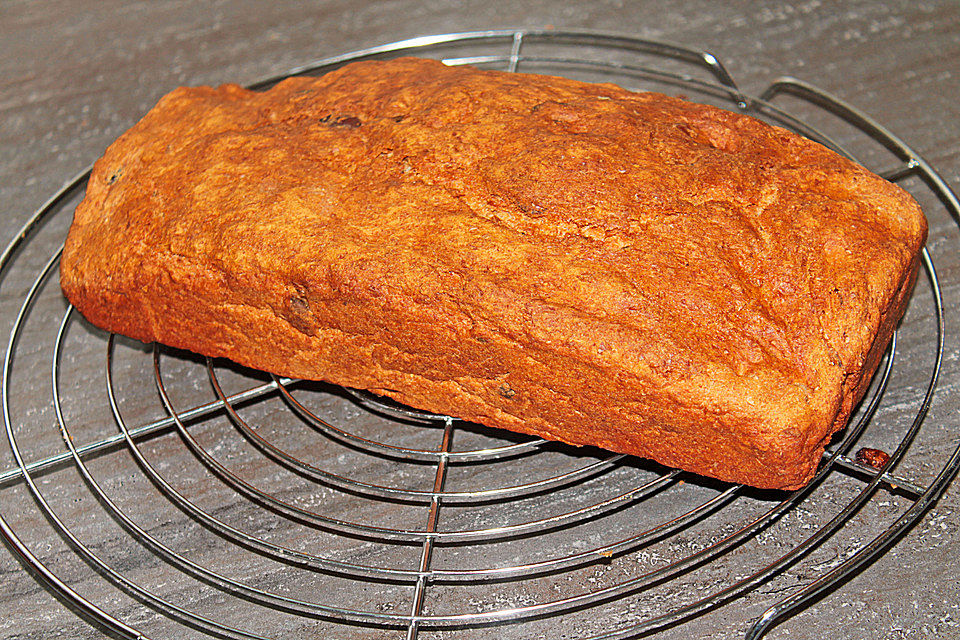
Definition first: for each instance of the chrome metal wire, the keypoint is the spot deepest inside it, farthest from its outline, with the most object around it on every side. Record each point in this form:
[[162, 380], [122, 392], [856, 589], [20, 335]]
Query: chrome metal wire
[[578, 496]]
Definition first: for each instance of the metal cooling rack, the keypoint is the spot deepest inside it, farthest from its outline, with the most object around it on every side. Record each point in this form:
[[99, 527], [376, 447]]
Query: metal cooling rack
[[154, 493]]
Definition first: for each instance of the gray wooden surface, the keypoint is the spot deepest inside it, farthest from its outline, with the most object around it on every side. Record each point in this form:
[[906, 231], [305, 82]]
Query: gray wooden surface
[[74, 75]]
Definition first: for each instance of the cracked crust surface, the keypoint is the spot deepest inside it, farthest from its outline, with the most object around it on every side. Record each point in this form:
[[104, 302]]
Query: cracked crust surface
[[572, 260]]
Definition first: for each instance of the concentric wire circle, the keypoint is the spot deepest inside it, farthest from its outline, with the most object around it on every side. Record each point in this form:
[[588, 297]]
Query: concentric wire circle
[[337, 507]]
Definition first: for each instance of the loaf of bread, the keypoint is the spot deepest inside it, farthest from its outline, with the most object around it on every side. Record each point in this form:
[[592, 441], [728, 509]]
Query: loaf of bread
[[576, 261]]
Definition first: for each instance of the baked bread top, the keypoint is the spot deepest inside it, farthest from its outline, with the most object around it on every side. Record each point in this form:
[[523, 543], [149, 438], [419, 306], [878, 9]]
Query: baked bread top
[[681, 252]]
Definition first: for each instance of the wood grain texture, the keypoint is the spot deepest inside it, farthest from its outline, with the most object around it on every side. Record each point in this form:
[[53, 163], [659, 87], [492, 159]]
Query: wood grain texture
[[74, 75]]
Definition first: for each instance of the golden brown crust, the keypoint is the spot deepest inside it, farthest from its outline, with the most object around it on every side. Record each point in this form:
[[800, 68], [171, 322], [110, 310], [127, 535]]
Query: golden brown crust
[[577, 261]]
